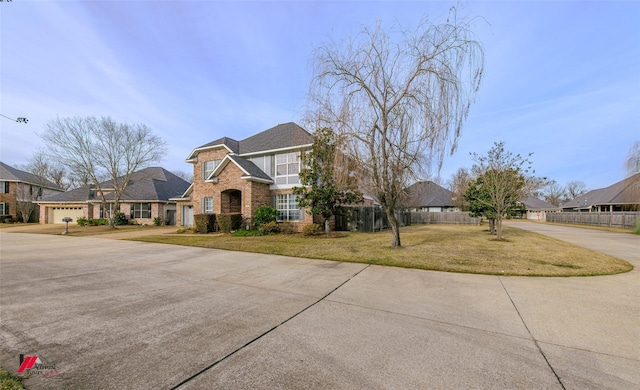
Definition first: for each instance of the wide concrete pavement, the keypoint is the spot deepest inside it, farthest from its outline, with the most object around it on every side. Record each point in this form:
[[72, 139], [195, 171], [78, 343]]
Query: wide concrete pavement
[[116, 314]]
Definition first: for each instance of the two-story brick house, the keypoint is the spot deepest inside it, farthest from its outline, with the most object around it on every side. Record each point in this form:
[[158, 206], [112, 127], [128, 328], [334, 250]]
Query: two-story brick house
[[19, 192], [233, 176]]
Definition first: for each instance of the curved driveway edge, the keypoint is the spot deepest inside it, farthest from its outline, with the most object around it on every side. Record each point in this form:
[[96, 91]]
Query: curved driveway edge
[[116, 314]]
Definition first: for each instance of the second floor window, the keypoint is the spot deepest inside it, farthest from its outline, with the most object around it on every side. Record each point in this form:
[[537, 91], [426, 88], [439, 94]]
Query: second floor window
[[4, 187], [287, 168], [140, 210], [208, 167]]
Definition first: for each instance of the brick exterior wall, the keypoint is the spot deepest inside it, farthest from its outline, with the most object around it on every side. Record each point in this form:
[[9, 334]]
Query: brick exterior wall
[[10, 199], [253, 193]]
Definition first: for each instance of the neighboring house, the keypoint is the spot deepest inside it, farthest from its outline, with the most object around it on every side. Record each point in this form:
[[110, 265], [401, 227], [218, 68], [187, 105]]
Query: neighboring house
[[621, 196], [19, 190], [147, 196], [537, 209], [233, 176], [428, 196]]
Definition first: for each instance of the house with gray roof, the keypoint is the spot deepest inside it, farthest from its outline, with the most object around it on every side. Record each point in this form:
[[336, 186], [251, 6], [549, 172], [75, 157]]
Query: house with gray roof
[[621, 196], [232, 176], [537, 209], [19, 190], [429, 196], [148, 195]]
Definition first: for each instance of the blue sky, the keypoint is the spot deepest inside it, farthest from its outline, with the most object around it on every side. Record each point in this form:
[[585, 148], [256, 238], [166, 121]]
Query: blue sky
[[562, 78]]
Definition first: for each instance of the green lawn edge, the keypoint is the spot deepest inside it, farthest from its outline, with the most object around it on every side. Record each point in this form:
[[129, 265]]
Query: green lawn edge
[[446, 248]]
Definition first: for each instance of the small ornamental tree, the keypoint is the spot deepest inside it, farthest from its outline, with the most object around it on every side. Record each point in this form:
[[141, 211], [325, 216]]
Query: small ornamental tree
[[503, 180], [327, 178]]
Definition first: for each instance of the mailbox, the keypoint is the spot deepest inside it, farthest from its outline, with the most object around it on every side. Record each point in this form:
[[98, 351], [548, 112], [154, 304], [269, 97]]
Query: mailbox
[[66, 220]]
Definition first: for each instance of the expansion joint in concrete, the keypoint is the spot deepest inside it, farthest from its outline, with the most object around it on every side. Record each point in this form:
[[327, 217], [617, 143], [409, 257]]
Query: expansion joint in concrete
[[207, 368]]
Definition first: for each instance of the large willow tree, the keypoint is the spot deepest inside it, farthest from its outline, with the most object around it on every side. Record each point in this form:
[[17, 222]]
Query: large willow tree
[[400, 99]]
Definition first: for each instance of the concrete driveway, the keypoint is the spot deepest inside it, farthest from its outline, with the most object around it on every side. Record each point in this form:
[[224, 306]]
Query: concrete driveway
[[111, 314]]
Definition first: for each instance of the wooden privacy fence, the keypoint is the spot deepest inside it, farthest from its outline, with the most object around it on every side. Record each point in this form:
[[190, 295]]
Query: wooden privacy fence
[[373, 219], [368, 219], [444, 218], [625, 219]]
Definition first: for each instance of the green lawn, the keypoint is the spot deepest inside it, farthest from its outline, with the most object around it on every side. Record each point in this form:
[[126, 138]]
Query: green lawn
[[451, 248]]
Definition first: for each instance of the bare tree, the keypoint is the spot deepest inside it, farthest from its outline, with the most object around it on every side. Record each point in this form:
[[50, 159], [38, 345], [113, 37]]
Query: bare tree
[[459, 184], [48, 170], [554, 193], [103, 150], [399, 104], [632, 163], [575, 188], [184, 175]]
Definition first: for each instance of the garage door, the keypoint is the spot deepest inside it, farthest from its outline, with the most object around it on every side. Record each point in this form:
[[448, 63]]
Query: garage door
[[63, 212]]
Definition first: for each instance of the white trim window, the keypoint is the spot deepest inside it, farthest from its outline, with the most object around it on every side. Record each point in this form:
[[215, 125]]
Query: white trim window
[[208, 167], [287, 168], [105, 213], [4, 187], [287, 206], [207, 205], [4, 208], [140, 210]]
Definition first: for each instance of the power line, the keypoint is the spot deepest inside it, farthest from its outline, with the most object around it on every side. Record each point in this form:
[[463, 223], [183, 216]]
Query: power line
[[19, 120]]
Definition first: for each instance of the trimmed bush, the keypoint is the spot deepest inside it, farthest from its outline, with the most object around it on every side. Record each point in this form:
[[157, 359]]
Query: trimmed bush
[[205, 223], [120, 219], [312, 229], [82, 221], [287, 228], [269, 228], [264, 214], [229, 222]]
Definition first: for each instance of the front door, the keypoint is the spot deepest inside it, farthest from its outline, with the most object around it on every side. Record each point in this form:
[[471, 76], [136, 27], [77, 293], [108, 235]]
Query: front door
[[187, 215]]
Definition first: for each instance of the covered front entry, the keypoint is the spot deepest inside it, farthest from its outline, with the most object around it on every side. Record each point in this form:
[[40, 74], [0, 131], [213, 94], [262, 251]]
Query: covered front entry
[[231, 201]]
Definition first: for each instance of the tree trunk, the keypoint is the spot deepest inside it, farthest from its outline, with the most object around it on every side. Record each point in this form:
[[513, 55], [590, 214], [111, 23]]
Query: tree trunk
[[499, 228], [492, 226], [395, 229]]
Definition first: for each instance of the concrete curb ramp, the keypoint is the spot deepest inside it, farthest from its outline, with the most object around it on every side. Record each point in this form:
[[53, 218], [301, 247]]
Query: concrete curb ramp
[[127, 315]]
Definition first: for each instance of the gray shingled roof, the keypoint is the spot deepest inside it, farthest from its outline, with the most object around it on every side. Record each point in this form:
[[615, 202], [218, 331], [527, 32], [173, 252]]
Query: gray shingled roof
[[250, 168], [622, 192], [532, 203], [282, 136], [149, 184], [9, 173], [428, 194], [228, 142]]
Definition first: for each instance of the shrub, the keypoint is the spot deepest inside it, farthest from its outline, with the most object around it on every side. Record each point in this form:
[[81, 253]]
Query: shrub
[[247, 233], [82, 221], [269, 227], [287, 228], [229, 222], [157, 221], [205, 223], [264, 214], [98, 221], [637, 231], [120, 219], [312, 229]]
